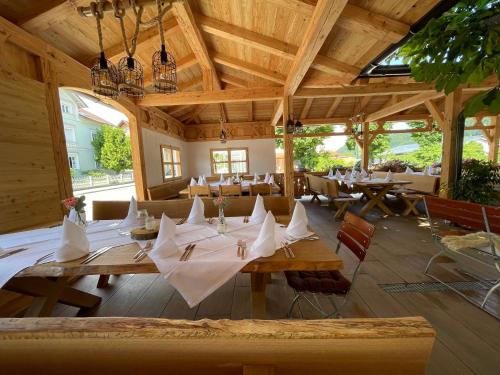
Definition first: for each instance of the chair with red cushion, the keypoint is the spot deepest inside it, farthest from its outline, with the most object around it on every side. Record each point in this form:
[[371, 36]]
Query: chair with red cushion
[[355, 234]]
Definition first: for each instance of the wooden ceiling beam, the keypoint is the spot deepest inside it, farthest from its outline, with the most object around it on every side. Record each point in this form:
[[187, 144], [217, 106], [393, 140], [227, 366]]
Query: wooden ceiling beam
[[180, 110], [236, 81], [325, 15], [212, 97], [249, 68], [306, 109], [437, 115], [365, 90], [181, 64], [403, 104], [52, 16], [333, 107]]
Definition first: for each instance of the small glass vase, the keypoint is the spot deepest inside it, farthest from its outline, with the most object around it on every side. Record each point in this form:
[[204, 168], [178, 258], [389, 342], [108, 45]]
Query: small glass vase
[[221, 224]]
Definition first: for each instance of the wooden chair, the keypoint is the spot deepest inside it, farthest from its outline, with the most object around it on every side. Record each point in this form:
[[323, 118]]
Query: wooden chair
[[212, 179], [167, 190], [355, 233], [414, 193], [147, 346], [199, 190], [262, 189], [342, 201], [469, 217], [316, 186], [230, 190]]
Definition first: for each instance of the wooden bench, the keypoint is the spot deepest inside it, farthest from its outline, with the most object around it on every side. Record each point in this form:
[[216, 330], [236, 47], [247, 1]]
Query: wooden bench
[[167, 190], [467, 218], [250, 347], [239, 206]]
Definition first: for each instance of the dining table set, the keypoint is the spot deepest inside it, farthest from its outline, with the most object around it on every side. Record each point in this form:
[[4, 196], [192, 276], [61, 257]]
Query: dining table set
[[245, 183], [191, 253]]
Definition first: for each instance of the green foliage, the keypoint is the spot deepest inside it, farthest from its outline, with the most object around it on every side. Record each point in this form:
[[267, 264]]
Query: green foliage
[[95, 173], [397, 166], [380, 145], [477, 182], [327, 161], [112, 149], [460, 47], [304, 149]]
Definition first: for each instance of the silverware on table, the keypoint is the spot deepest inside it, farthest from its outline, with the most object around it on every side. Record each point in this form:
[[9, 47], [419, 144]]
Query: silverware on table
[[143, 250], [243, 249], [12, 252], [95, 254], [292, 255], [245, 219], [45, 257], [190, 251], [239, 244], [183, 256], [210, 220]]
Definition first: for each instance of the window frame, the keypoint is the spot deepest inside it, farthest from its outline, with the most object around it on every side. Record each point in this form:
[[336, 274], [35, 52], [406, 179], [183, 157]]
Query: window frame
[[172, 163], [229, 161], [77, 160], [72, 130]]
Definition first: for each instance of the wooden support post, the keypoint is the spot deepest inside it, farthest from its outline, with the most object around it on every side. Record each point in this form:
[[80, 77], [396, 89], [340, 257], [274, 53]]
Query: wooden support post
[[493, 142], [452, 108], [56, 126], [365, 148], [288, 150], [138, 162]]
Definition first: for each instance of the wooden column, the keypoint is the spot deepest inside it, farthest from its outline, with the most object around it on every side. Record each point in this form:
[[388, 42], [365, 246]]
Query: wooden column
[[288, 149], [365, 146], [138, 163], [493, 142], [56, 126], [452, 108]]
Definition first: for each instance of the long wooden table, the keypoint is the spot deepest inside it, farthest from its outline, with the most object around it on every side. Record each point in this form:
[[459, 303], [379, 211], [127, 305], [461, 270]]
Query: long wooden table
[[245, 188], [49, 282], [376, 191]]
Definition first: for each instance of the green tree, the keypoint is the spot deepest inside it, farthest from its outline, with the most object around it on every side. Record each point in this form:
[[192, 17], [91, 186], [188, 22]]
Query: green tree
[[112, 149], [379, 146], [460, 47], [305, 148]]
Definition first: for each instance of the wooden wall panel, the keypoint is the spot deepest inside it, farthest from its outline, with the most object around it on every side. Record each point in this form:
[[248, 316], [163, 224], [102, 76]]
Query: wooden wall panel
[[29, 191]]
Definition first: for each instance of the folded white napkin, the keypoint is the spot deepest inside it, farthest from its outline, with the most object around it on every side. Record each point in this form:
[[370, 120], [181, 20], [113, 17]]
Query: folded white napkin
[[427, 171], [259, 212], [297, 228], [267, 177], [338, 175], [193, 182], [389, 177], [197, 214], [330, 172], [271, 180], [165, 245], [358, 178], [221, 179], [364, 174], [265, 245], [237, 176], [200, 181], [229, 181], [131, 218], [354, 174], [409, 170], [74, 242], [347, 176], [255, 177]]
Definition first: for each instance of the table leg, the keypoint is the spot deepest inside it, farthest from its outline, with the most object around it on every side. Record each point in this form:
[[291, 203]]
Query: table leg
[[47, 293], [258, 283], [375, 200]]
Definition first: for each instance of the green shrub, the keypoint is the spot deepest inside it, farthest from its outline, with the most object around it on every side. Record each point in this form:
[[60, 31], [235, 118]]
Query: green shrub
[[477, 182]]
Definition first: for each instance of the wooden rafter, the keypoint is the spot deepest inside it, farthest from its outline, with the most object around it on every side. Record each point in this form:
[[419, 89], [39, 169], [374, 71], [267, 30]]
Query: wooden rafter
[[236, 81], [326, 13], [52, 16], [435, 112], [333, 107], [306, 109]]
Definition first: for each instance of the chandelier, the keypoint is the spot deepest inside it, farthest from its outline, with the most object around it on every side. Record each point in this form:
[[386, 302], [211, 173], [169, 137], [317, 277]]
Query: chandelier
[[104, 76], [222, 133], [164, 68]]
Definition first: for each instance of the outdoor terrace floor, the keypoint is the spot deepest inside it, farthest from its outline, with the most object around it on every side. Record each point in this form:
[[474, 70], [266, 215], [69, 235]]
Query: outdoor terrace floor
[[468, 339]]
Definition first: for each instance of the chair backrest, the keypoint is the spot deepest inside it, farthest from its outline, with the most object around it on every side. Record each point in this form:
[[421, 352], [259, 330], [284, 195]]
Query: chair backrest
[[230, 190], [162, 346], [199, 190], [262, 189], [466, 214], [212, 179], [420, 183], [316, 184], [493, 217], [356, 234], [178, 208], [166, 190], [333, 188]]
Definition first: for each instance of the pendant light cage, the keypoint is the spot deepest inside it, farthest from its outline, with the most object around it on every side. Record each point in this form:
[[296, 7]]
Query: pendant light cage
[[131, 77], [164, 72], [222, 133]]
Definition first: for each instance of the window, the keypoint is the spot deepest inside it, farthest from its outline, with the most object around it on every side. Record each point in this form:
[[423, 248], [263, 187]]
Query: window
[[70, 135], [171, 162], [93, 135], [66, 108], [229, 160], [73, 161]]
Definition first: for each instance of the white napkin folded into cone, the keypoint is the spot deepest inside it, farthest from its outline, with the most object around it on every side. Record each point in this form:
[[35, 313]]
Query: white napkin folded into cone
[[259, 212], [193, 182], [271, 180], [364, 174], [297, 228], [197, 214], [347, 176], [74, 242], [165, 245], [221, 179], [389, 177], [266, 178], [265, 245], [330, 172], [131, 218], [338, 175], [409, 170], [229, 181]]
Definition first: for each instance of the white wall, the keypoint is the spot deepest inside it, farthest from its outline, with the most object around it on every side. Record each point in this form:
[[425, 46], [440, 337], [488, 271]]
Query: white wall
[[152, 155], [262, 157]]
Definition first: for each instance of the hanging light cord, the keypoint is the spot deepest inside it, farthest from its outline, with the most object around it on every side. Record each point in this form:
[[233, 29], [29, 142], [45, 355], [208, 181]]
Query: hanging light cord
[[120, 13], [97, 12], [160, 23]]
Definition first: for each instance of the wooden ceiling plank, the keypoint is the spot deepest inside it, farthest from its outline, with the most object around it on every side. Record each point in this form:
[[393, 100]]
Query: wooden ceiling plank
[[52, 16], [236, 81], [365, 90], [250, 111], [403, 105], [333, 107], [212, 97], [306, 109]]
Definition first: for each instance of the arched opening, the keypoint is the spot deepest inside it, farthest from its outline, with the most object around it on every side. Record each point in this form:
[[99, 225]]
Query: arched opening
[[98, 146]]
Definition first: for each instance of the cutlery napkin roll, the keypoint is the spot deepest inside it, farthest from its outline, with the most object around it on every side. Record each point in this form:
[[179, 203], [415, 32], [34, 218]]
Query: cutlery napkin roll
[[165, 245], [74, 242], [197, 214], [265, 245]]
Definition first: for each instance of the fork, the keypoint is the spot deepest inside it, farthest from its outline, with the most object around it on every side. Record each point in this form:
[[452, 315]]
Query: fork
[[245, 219], [44, 257], [292, 255], [183, 256], [12, 252], [239, 244], [142, 250]]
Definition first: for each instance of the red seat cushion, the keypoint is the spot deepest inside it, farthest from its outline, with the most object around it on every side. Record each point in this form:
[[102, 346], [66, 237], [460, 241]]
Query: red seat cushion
[[326, 282]]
